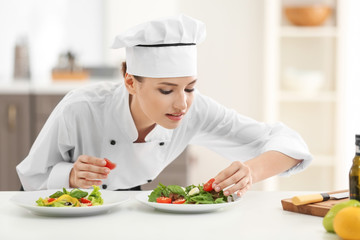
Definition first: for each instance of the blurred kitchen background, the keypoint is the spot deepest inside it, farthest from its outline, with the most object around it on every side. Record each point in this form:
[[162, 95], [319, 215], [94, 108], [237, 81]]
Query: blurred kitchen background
[[272, 60]]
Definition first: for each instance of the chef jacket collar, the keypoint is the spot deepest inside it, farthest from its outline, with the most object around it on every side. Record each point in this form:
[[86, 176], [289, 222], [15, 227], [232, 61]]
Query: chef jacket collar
[[158, 134]]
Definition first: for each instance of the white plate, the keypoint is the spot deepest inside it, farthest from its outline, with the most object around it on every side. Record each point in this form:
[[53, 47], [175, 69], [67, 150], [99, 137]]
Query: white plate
[[183, 208], [28, 200]]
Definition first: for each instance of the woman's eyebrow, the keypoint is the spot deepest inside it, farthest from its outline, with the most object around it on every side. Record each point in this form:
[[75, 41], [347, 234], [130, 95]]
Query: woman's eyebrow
[[173, 84], [192, 82]]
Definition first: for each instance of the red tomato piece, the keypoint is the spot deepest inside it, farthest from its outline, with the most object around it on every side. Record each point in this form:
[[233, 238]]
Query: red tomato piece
[[179, 201], [163, 200], [208, 186], [109, 164], [85, 201], [50, 200]]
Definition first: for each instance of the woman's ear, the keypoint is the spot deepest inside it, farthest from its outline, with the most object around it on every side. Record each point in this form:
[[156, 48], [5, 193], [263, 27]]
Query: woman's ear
[[130, 83]]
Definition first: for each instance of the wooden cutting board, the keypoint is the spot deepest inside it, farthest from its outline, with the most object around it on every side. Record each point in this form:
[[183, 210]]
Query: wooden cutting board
[[316, 209]]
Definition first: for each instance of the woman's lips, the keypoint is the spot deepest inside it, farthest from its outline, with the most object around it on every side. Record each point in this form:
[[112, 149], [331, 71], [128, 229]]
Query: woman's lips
[[175, 116]]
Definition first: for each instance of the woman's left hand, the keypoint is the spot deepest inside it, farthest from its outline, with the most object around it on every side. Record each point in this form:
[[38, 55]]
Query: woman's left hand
[[237, 174]]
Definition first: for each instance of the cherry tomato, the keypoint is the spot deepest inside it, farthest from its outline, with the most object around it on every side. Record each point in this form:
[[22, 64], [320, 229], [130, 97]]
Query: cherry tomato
[[50, 200], [179, 201], [208, 186], [109, 164], [163, 200], [85, 201]]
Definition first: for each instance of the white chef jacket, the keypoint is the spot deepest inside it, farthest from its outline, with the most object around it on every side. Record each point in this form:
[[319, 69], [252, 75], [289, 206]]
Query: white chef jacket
[[96, 121]]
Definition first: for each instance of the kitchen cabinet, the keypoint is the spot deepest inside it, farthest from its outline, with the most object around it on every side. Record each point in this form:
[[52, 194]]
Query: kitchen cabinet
[[15, 137], [303, 87], [22, 118], [43, 105]]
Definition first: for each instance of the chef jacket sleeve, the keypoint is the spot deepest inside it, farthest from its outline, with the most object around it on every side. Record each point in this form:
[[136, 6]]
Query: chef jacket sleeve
[[237, 137], [48, 164]]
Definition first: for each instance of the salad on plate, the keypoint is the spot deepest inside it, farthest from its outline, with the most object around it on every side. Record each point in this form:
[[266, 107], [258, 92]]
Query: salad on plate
[[73, 198], [200, 194]]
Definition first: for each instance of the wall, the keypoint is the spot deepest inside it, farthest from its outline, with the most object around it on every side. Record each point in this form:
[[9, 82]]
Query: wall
[[121, 15], [51, 27]]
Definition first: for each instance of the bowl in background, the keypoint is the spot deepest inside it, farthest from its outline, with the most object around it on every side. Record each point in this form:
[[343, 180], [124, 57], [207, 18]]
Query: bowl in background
[[312, 15]]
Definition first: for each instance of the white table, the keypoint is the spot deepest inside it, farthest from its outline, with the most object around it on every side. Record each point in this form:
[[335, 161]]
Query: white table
[[259, 215]]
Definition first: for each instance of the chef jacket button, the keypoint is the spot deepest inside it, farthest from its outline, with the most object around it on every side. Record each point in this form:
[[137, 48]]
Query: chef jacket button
[[149, 180], [161, 144], [104, 186], [112, 142]]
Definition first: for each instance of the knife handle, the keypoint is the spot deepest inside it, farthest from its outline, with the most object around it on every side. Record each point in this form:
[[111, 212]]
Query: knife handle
[[312, 198]]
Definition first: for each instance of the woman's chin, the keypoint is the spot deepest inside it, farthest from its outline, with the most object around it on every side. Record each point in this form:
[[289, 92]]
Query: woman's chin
[[170, 126]]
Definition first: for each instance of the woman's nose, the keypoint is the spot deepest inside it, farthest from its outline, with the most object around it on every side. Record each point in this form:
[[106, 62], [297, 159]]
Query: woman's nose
[[181, 102]]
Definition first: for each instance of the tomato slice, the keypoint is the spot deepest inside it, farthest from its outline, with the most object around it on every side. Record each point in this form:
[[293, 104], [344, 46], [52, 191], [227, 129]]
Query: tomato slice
[[84, 200], [179, 201], [50, 200], [208, 186], [109, 164], [163, 200]]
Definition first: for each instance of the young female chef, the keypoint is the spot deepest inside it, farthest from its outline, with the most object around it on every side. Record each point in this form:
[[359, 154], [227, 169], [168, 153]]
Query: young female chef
[[145, 122]]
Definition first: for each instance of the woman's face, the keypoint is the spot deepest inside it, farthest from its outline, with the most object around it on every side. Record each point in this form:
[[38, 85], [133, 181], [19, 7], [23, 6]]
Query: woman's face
[[163, 101]]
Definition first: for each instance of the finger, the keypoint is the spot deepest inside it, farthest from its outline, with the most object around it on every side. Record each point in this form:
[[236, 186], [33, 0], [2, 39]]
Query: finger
[[90, 175], [226, 173], [84, 163], [244, 190], [92, 160], [84, 183], [92, 168], [239, 186], [238, 171]]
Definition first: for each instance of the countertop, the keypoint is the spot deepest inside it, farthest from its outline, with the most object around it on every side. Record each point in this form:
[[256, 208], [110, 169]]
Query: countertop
[[50, 87], [259, 215]]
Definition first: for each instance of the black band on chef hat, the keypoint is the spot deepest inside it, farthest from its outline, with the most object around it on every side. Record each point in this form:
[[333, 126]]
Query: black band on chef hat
[[166, 45]]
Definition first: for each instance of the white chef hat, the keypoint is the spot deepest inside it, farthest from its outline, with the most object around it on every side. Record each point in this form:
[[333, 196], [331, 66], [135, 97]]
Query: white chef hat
[[163, 47]]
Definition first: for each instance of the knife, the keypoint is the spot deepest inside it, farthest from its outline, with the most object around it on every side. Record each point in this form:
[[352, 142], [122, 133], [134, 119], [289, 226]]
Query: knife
[[319, 197]]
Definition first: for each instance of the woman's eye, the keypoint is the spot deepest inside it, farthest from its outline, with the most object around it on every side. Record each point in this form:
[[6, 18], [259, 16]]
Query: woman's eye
[[189, 90], [165, 92]]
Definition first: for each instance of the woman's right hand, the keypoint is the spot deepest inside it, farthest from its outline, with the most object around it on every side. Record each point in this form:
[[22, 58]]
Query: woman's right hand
[[88, 171]]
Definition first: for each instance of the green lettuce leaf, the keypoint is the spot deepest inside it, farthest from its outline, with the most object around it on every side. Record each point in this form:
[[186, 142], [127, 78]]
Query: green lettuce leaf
[[160, 190], [176, 189], [77, 193], [202, 198], [57, 194], [40, 202], [220, 200], [65, 191], [95, 196], [155, 194]]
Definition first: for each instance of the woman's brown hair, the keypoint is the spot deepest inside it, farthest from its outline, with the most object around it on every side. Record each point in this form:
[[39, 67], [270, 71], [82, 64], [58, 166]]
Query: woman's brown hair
[[123, 70]]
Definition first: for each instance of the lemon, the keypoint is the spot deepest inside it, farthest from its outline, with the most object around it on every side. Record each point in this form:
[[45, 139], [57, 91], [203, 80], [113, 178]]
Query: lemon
[[329, 217], [347, 223]]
